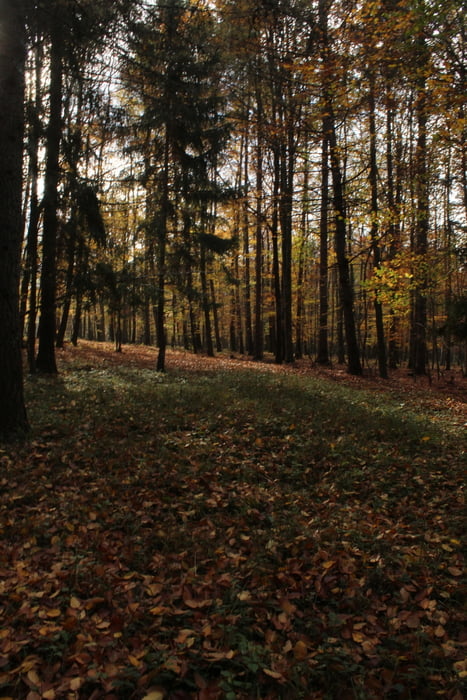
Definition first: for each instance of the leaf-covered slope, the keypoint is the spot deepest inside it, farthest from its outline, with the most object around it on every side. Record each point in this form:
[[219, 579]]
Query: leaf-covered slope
[[238, 533]]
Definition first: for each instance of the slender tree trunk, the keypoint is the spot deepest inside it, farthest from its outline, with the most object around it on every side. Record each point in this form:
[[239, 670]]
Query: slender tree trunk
[[232, 324], [205, 303], [447, 271], [162, 244], [381, 342], [246, 253], [13, 418], [393, 199], [45, 361], [69, 275], [340, 339], [323, 344], [463, 146], [340, 241], [300, 309], [215, 314], [239, 315], [259, 333], [34, 213], [75, 331], [285, 209], [421, 233], [147, 304], [279, 337], [339, 203]]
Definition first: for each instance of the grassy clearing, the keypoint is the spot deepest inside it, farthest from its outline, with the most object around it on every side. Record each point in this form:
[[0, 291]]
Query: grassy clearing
[[230, 534]]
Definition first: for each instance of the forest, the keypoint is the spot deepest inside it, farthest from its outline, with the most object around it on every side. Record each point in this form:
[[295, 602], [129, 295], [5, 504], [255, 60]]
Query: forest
[[233, 302], [286, 177]]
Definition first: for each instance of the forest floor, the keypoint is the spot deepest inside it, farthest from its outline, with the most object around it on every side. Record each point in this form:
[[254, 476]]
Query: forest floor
[[233, 530]]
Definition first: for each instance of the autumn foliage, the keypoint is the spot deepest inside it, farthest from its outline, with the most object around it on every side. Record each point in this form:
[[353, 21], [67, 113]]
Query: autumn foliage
[[231, 530]]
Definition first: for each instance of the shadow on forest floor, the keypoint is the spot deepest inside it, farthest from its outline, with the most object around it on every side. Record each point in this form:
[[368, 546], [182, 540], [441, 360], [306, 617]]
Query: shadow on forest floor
[[230, 529]]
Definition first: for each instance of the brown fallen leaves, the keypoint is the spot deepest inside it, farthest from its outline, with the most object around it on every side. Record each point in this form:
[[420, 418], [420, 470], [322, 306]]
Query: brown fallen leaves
[[212, 557]]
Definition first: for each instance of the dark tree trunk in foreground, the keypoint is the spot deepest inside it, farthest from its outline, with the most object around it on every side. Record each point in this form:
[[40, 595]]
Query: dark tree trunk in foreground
[[13, 419]]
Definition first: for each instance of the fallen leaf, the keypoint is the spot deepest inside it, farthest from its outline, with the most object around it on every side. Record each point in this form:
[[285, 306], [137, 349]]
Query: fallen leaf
[[358, 637], [33, 677], [76, 683], [273, 674], [158, 610], [300, 651]]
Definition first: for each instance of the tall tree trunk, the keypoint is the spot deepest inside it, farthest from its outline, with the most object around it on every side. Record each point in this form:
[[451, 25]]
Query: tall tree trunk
[[34, 212], [76, 329], [215, 313], [448, 259], [421, 226], [300, 308], [285, 210], [205, 302], [340, 242], [394, 200], [13, 418], [69, 277], [45, 361], [161, 255], [339, 202], [147, 304], [380, 339], [259, 334], [238, 310], [246, 253], [323, 344], [279, 337]]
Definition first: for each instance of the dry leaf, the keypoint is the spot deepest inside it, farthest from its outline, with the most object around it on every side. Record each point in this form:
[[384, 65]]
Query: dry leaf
[[300, 651]]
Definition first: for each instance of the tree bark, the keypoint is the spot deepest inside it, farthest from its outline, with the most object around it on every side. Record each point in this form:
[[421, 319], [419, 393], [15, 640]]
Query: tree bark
[[339, 202], [258, 339], [34, 212], [323, 344], [394, 193], [381, 343], [45, 361], [13, 418], [161, 255], [205, 302], [421, 234], [279, 346]]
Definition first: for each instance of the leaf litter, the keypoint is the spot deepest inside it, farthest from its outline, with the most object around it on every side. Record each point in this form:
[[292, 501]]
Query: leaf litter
[[231, 530]]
